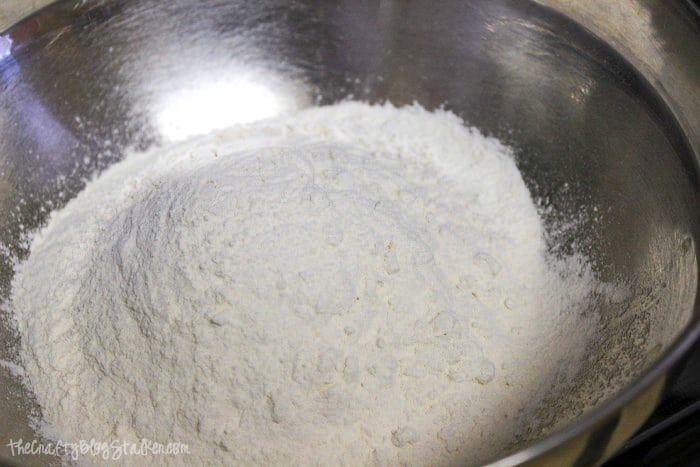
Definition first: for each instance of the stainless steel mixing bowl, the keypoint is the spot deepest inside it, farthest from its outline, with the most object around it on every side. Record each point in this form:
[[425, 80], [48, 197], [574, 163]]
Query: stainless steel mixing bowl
[[600, 98]]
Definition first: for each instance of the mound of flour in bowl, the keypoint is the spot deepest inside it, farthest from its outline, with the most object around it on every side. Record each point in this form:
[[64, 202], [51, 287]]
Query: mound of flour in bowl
[[349, 284]]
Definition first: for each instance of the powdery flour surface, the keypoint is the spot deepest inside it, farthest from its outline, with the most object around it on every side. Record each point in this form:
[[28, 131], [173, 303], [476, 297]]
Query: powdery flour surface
[[349, 284]]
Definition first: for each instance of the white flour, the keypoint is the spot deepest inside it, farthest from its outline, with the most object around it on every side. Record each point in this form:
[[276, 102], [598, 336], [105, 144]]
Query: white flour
[[345, 285]]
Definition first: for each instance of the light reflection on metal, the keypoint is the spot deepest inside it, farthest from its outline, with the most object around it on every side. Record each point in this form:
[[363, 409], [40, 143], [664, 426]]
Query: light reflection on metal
[[49, 136], [5, 47], [213, 103]]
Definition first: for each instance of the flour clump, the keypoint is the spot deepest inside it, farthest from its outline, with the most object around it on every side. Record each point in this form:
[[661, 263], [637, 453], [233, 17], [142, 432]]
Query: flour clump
[[350, 284]]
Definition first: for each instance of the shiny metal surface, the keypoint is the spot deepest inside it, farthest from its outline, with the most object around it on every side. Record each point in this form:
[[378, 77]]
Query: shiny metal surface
[[601, 100]]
